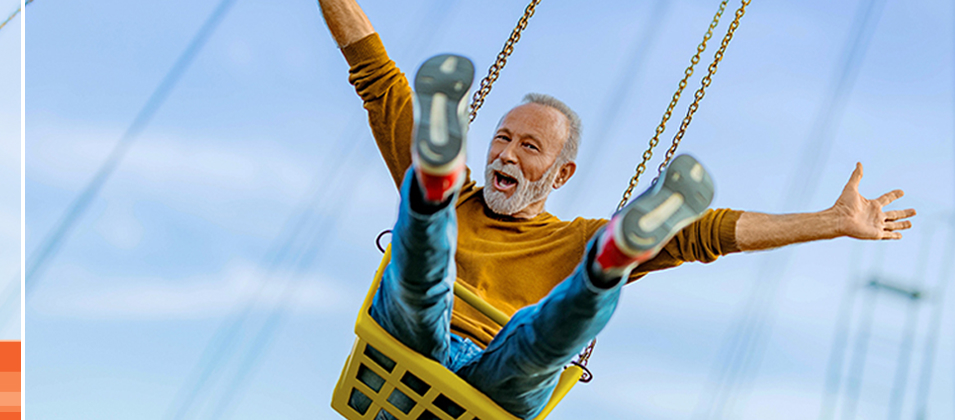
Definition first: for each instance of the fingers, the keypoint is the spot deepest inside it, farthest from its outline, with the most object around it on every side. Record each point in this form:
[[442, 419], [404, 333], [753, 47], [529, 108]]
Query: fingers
[[899, 214], [856, 177], [890, 226], [889, 197], [891, 235]]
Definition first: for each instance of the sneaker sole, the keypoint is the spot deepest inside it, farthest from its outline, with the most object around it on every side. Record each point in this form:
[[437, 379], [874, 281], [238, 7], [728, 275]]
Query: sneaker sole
[[658, 214], [441, 87]]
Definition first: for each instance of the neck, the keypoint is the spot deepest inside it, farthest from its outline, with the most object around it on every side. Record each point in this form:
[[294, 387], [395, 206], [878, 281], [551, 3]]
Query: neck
[[531, 211]]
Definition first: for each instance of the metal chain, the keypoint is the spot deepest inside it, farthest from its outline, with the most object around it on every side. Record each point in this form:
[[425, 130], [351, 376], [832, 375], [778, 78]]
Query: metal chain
[[648, 154], [698, 96], [495, 71], [478, 99], [582, 360]]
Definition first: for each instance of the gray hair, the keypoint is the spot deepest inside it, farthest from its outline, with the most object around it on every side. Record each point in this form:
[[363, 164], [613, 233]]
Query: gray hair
[[569, 152]]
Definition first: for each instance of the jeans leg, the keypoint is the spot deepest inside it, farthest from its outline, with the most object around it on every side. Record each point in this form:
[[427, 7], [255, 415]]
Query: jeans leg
[[414, 299], [522, 365]]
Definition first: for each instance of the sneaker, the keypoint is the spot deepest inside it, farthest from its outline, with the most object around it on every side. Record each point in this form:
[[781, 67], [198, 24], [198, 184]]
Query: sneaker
[[441, 124], [639, 231]]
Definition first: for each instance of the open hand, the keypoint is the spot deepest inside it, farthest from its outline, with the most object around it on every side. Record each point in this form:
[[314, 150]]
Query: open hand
[[864, 219]]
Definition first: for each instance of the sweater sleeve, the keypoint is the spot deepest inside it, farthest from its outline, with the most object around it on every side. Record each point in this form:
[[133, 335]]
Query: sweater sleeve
[[712, 235], [387, 98]]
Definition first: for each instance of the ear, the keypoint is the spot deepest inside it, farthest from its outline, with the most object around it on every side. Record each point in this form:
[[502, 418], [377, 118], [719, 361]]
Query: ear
[[563, 175]]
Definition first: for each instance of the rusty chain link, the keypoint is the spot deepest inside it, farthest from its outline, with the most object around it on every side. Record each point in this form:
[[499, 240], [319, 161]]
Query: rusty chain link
[[582, 360], [495, 70], [698, 96]]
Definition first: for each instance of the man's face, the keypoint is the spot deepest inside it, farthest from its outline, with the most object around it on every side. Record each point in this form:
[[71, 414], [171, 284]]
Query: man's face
[[521, 157]]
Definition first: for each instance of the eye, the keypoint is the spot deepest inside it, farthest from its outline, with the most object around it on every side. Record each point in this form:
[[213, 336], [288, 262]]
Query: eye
[[502, 138], [531, 146]]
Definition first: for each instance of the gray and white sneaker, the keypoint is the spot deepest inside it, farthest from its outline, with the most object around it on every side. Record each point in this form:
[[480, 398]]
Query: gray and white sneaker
[[639, 231], [441, 88]]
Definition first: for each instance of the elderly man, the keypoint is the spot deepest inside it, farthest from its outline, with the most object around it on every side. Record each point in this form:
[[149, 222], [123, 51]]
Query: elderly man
[[560, 280]]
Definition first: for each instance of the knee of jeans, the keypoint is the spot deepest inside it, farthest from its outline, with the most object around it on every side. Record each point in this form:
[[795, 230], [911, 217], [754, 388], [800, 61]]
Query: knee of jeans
[[520, 352]]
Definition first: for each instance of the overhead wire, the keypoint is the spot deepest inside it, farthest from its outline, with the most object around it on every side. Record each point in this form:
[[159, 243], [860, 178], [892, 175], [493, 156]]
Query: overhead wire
[[219, 352], [830, 396], [620, 90], [53, 241], [900, 383], [316, 247], [840, 338], [299, 228], [930, 349], [228, 333], [10, 297], [15, 13], [236, 386], [744, 343], [860, 350]]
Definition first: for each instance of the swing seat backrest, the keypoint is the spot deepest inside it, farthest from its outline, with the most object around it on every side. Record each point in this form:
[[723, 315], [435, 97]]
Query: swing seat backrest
[[384, 379]]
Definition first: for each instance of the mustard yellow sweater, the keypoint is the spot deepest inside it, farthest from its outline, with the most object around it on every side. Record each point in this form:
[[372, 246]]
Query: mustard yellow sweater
[[510, 263]]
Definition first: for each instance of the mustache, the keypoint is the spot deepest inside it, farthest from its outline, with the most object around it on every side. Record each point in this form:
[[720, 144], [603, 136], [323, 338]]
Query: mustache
[[510, 169]]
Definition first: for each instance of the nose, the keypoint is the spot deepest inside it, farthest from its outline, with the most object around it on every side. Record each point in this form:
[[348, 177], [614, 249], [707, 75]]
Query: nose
[[509, 154]]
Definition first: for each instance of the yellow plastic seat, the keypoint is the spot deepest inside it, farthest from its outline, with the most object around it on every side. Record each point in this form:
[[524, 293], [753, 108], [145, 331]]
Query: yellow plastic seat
[[382, 374]]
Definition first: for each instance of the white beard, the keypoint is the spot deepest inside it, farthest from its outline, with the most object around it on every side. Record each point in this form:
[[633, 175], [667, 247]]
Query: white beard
[[527, 192]]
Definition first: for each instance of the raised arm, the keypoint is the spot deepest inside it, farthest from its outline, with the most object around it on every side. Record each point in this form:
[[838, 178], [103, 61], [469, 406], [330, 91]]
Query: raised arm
[[381, 85], [853, 215], [346, 21]]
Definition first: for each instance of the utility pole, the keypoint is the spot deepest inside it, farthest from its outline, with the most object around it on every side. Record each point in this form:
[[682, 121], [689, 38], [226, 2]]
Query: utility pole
[[873, 291]]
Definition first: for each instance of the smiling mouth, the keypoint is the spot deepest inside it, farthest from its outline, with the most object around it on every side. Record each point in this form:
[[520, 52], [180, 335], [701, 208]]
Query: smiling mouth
[[503, 182]]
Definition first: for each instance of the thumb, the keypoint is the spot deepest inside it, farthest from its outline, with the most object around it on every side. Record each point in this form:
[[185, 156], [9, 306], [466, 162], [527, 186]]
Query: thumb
[[855, 178]]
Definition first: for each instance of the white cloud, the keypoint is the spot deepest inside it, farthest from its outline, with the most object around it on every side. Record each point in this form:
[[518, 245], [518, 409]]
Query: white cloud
[[167, 162], [204, 296], [225, 182]]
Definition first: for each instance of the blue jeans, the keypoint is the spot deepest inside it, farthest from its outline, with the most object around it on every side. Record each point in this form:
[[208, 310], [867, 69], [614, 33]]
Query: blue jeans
[[521, 366]]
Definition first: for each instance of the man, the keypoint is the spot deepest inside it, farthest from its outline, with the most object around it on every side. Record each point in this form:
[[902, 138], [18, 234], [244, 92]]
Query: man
[[560, 280]]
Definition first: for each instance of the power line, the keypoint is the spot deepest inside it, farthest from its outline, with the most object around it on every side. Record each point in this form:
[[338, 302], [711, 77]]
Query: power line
[[840, 340], [911, 323], [854, 385], [744, 343], [10, 297], [54, 240], [629, 74], [222, 347], [219, 351], [15, 13], [935, 325], [931, 341], [259, 346]]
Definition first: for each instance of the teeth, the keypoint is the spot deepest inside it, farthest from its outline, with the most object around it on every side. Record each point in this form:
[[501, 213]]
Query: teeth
[[504, 180]]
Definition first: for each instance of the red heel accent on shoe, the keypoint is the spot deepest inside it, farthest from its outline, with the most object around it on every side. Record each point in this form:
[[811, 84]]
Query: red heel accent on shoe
[[610, 256], [438, 188]]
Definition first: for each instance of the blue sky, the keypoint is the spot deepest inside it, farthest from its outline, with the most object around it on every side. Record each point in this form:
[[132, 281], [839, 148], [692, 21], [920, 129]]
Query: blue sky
[[263, 130], [10, 170]]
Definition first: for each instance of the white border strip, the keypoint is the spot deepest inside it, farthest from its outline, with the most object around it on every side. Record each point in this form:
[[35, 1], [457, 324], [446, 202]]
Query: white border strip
[[23, 207]]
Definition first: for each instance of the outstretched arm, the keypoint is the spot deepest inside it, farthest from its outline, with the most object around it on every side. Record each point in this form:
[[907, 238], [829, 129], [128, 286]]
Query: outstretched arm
[[853, 215], [380, 84], [346, 21]]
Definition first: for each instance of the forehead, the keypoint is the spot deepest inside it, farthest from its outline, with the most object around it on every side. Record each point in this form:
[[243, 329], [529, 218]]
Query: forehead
[[542, 122]]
